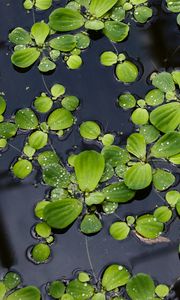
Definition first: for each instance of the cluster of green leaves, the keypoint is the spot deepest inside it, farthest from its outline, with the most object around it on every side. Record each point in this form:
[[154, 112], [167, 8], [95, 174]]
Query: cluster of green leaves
[[38, 4], [10, 288], [40, 45], [174, 6], [57, 121], [125, 70], [3, 141]]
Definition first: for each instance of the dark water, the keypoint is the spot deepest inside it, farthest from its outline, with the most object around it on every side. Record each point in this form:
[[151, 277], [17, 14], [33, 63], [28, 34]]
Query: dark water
[[155, 47]]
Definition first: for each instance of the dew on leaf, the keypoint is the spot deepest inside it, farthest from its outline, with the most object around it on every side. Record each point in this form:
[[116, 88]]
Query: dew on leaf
[[99, 296], [19, 36], [116, 31], [118, 14], [118, 192], [167, 145], [94, 198], [46, 158], [142, 13], [127, 101], [115, 276], [149, 227], [7, 130], [55, 175], [46, 65], [108, 173], [163, 179], [11, 280], [150, 133], [58, 194], [141, 286], [154, 97], [79, 290], [90, 224], [164, 82], [82, 40], [26, 119], [109, 207], [115, 155]]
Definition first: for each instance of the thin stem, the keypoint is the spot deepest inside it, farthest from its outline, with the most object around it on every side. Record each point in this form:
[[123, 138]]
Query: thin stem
[[33, 15], [89, 258], [45, 85], [114, 48], [15, 148]]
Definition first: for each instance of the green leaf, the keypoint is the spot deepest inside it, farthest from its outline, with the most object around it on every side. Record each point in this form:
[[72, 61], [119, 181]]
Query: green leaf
[[82, 40], [115, 276], [90, 130], [43, 4], [167, 145], [94, 25], [60, 214], [65, 19], [22, 168], [127, 72], [163, 214], [149, 227], [2, 105], [94, 198], [115, 155], [173, 5], [56, 175], [127, 101], [119, 230], [141, 286], [99, 7], [40, 253], [74, 62], [154, 97], [79, 290], [136, 145], [28, 4], [46, 65], [99, 296], [176, 74], [166, 118], [64, 43], [142, 14], [60, 119], [57, 90], [90, 224], [25, 58], [38, 139], [118, 192], [118, 14], [43, 104], [162, 179], [140, 116], [139, 176], [150, 133], [108, 172], [108, 58], [27, 293], [116, 31], [2, 290], [26, 119], [162, 290], [56, 289], [11, 280], [46, 158], [164, 82], [172, 197], [89, 167], [70, 103], [7, 130], [175, 159], [137, 2], [19, 36], [109, 207], [40, 31]]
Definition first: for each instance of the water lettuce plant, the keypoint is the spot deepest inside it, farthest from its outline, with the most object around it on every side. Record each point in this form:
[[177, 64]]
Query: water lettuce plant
[[38, 4], [39, 45], [115, 282]]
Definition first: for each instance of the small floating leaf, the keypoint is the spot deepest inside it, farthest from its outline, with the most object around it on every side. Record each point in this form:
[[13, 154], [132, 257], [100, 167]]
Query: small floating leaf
[[27, 293], [115, 276], [79, 290], [40, 31], [25, 58], [149, 227], [166, 118], [140, 116], [164, 82], [2, 290], [7, 130], [176, 74], [94, 25], [57, 90], [56, 289], [173, 5], [118, 14], [118, 192], [116, 31], [119, 230], [38, 139], [43, 104], [108, 58], [94, 198], [162, 290], [107, 139], [99, 296], [99, 7], [82, 40], [172, 197], [89, 167], [108, 172], [150, 133], [167, 145], [46, 65], [65, 19], [41, 252], [115, 155], [127, 101], [162, 179], [70, 103], [19, 36], [60, 214], [64, 43], [163, 214], [2, 105], [109, 207], [74, 62], [141, 286], [127, 72], [47, 158], [142, 13], [154, 97], [22, 168], [26, 119], [39, 209], [139, 176], [83, 277], [136, 145], [90, 130], [43, 4], [11, 280], [56, 175], [90, 224], [60, 119]]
